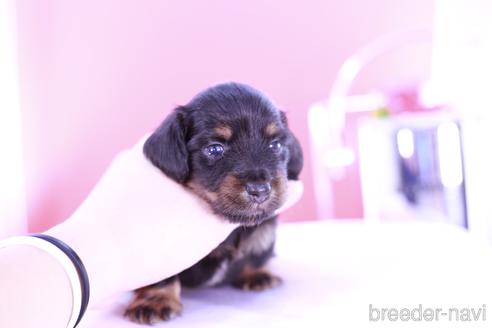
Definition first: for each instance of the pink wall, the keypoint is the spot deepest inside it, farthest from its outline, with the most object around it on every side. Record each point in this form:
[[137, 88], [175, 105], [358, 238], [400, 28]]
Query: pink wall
[[96, 75]]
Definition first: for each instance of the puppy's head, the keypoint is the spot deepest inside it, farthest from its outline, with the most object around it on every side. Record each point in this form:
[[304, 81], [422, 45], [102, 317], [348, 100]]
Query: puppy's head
[[233, 148]]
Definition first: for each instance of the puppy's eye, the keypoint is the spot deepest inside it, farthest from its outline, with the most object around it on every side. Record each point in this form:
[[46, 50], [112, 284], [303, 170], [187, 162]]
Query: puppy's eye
[[275, 146], [214, 151]]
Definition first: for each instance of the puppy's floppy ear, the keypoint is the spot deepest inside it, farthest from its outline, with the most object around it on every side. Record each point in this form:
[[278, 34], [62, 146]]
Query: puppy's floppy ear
[[166, 147], [296, 159]]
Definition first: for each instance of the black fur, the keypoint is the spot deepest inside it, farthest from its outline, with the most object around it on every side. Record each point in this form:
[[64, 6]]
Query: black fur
[[166, 147], [259, 149]]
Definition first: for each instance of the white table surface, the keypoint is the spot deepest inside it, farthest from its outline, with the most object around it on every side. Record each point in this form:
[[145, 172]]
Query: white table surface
[[333, 270]]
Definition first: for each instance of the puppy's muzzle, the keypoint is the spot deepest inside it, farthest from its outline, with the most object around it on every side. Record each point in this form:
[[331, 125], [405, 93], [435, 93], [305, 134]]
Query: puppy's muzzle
[[258, 192]]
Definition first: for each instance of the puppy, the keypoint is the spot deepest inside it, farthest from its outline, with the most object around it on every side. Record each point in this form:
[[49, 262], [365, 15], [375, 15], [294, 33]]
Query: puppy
[[230, 146]]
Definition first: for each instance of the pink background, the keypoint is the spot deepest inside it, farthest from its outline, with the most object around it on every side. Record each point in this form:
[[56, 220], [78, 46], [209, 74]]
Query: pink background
[[97, 75]]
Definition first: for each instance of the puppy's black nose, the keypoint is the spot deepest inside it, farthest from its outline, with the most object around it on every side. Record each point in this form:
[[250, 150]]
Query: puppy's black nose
[[258, 192]]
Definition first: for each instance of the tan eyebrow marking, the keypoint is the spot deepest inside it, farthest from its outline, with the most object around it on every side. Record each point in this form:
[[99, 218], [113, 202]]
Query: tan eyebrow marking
[[224, 131], [271, 129]]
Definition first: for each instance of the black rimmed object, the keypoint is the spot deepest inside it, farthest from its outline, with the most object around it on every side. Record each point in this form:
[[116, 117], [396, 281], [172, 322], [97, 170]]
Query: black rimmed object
[[79, 266]]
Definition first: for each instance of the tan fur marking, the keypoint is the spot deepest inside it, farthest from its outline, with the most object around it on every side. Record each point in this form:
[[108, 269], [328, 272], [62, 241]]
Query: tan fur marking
[[271, 129], [155, 303], [224, 131], [231, 186], [260, 240], [172, 289], [257, 279], [279, 186], [208, 196]]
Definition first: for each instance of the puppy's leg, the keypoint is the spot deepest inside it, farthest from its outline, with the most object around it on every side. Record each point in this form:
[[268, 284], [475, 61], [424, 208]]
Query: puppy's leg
[[155, 303], [256, 279]]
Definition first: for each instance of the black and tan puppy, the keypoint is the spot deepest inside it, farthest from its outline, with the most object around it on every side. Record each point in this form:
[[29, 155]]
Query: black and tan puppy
[[231, 146]]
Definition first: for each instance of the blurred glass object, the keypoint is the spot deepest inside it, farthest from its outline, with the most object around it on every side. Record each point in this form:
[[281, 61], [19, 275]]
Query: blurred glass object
[[411, 168], [333, 158], [408, 150]]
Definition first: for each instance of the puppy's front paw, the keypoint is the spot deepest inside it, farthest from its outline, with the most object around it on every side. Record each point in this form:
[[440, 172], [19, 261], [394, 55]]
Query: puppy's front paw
[[149, 310], [257, 280], [158, 302]]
